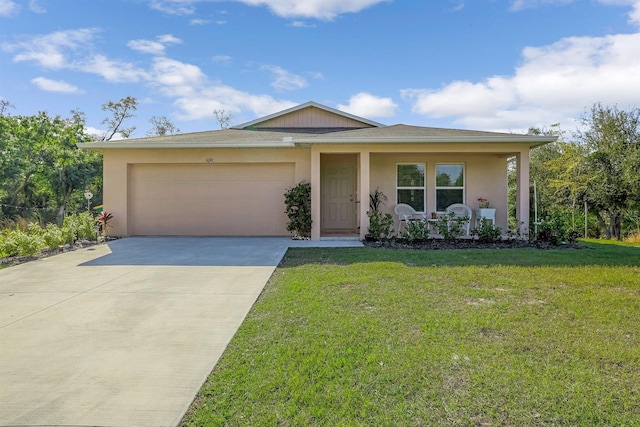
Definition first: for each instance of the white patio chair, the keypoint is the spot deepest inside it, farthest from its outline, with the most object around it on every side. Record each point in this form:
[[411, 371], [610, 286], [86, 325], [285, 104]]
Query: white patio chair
[[405, 214], [461, 210]]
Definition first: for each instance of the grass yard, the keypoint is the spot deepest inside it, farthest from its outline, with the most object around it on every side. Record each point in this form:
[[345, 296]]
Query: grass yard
[[523, 337]]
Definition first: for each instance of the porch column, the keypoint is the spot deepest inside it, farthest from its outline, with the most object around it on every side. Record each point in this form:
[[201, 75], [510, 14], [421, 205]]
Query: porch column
[[315, 193], [363, 193], [522, 195]]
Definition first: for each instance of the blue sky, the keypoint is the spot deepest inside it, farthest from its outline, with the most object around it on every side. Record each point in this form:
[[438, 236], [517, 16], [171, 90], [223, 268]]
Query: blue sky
[[475, 64]]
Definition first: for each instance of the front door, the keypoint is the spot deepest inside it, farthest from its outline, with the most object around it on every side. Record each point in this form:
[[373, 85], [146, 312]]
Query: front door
[[338, 197]]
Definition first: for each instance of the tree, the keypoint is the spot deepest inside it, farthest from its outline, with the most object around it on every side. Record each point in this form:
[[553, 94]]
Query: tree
[[41, 167], [223, 118], [612, 140], [162, 126], [569, 179], [120, 111], [4, 106]]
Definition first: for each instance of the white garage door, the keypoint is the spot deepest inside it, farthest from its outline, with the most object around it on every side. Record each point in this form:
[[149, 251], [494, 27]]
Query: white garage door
[[209, 200]]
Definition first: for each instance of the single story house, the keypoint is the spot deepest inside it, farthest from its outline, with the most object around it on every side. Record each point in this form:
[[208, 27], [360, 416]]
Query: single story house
[[231, 182]]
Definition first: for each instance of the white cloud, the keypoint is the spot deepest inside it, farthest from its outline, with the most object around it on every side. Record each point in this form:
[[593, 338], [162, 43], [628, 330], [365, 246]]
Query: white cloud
[[366, 105], [284, 80], [318, 9], [196, 96], [8, 8], [634, 14], [301, 24], [55, 85], [517, 5], [555, 83], [193, 93], [146, 46], [36, 8], [153, 47], [316, 75], [112, 71], [52, 50], [222, 59], [198, 21], [174, 7]]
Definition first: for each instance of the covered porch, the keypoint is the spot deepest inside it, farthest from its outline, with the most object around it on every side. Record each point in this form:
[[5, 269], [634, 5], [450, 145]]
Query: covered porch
[[343, 176]]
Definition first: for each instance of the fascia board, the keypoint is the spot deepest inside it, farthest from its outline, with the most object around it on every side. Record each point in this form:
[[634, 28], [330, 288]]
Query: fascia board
[[535, 140], [120, 145]]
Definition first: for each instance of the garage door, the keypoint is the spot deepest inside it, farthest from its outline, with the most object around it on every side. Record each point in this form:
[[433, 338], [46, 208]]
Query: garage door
[[209, 200]]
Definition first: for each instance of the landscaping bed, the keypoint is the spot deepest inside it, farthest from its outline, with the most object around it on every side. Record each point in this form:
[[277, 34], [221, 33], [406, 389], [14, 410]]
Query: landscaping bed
[[45, 253], [441, 244]]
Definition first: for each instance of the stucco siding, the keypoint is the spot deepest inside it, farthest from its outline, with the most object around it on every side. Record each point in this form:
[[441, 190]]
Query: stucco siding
[[119, 168], [485, 176]]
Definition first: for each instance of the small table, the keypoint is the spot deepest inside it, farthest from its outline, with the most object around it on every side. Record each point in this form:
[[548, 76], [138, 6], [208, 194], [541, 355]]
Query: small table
[[486, 214]]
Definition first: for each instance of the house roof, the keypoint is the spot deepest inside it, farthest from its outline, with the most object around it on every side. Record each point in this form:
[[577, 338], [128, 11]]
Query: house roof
[[308, 105], [269, 132]]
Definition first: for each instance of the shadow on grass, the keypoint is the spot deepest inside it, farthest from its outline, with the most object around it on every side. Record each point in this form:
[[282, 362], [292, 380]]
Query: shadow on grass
[[590, 253]]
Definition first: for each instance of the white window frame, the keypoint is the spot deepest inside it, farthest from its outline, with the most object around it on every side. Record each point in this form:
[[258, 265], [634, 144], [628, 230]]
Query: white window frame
[[464, 182], [423, 187]]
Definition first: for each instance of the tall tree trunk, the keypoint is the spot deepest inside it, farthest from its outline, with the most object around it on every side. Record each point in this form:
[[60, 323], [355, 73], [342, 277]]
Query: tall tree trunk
[[62, 206], [616, 220], [603, 225]]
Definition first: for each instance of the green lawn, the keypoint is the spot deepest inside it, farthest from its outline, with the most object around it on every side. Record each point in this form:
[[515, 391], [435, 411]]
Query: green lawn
[[523, 337]]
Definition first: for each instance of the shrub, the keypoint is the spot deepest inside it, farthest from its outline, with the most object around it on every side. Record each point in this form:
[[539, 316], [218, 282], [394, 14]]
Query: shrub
[[21, 242], [8, 243], [380, 225], [54, 236], [81, 226], [416, 230], [450, 227], [377, 199], [103, 219], [29, 244], [298, 209], [487, 232]]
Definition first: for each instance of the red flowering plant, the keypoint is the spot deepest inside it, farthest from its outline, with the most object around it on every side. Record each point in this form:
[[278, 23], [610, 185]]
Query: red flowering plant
[[483, 203]]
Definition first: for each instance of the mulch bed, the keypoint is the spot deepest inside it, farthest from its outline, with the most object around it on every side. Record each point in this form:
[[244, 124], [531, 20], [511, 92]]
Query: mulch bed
[[440, 244]]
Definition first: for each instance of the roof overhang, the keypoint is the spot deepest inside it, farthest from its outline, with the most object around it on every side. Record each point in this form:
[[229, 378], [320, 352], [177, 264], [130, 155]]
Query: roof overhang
[[144, 145], [292, 142]]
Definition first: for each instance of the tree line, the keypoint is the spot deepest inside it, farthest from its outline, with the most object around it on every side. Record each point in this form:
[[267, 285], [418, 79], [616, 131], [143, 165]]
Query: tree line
[[43, 174], [589, 182]]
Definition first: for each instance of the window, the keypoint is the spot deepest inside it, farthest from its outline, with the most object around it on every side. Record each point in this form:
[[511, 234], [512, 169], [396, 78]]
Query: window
[[449, 185], [410, 185]]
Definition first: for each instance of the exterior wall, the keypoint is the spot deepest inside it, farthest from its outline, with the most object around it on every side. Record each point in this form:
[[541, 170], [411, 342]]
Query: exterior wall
[[485, 176], [485, 170], [312, 118], [118, 164]]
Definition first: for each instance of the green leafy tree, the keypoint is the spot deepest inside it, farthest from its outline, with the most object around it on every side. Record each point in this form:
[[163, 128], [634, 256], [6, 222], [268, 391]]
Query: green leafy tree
[[41, 167], [612, 140]]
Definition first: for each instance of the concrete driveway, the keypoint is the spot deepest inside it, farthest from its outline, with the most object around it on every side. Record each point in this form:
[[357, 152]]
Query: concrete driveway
[[124, 334]]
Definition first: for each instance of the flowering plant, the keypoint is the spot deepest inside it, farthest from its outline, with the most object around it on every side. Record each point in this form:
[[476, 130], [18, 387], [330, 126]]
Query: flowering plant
[[483, 203]]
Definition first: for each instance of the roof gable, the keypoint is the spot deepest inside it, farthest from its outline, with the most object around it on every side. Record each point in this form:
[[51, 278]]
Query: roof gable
[[308, 116]]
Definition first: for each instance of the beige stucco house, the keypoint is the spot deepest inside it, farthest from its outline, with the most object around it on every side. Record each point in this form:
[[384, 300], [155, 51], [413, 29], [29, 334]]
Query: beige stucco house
[[231, 182]]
